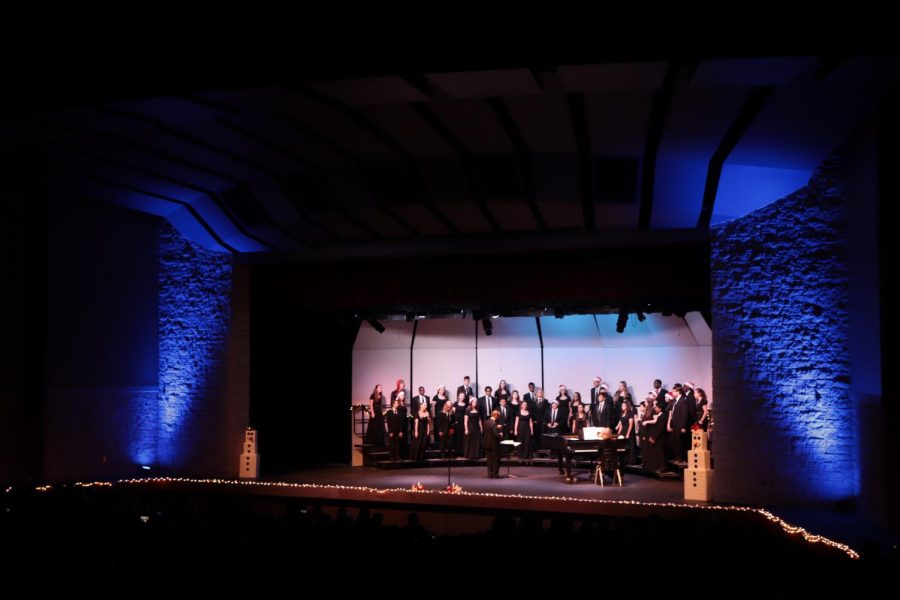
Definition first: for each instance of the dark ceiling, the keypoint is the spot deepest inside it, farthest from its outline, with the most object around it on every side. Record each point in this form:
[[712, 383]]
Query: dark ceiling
[[397, 153]]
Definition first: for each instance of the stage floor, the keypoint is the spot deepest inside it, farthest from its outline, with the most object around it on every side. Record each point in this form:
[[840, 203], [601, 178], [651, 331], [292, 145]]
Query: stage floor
[[532, 481]]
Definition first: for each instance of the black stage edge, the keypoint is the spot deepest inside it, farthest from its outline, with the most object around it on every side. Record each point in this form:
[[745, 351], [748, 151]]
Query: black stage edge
[[474, 506]]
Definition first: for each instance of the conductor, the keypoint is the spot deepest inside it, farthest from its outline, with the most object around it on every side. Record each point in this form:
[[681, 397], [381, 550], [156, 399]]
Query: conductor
[[492, 435]]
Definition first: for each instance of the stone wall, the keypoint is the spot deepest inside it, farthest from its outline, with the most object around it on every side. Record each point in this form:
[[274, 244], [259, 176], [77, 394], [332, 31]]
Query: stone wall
[[784, 420]]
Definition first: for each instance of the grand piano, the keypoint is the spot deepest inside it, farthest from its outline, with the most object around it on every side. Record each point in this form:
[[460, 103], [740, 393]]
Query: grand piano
[[572, 447]]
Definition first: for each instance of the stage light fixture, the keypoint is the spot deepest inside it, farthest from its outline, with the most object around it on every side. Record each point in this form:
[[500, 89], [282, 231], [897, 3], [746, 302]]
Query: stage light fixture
[[622, 321], [375, 325], [641, 316], [488, 326]]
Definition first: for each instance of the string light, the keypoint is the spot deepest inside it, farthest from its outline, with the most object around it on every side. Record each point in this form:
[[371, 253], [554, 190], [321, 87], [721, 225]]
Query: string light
[[789, 529]]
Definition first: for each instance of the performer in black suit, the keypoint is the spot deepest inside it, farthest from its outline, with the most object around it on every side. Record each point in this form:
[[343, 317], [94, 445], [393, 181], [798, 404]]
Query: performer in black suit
[[539, 413], [554, 418], [506, 417], [396, 425], [691, 398], [660, 391], [602, 410], [678, 423], [487, 403], [465, 388], [531, 396], [492, 436], [595, 390], [419, 400]]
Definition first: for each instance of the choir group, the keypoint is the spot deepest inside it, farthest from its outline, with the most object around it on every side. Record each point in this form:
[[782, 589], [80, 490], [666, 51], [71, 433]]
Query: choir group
[[656, 430]]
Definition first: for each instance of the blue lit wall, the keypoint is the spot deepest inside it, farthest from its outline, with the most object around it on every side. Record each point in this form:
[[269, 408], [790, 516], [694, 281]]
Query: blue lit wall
[[784, 420], [194, 320]]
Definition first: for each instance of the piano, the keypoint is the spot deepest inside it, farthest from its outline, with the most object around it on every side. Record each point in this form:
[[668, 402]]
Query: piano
[[571, 447]]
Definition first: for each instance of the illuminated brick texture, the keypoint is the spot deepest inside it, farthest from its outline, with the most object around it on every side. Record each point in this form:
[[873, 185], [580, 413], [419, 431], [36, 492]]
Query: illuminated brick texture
[[203, 372], [784, 421]]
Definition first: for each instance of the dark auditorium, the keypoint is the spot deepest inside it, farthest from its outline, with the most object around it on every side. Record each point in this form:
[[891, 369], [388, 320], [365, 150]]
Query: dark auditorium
[[498, 312]]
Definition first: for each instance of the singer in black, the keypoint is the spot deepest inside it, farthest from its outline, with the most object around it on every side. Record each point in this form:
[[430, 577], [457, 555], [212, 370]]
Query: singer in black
[[375, 430], [396, 426], [492, 435], [420, 427], [443, 429], [465, 388]]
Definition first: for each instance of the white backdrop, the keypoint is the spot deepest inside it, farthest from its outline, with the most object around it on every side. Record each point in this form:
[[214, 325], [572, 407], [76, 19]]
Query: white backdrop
[[444, 353], [512, 352], [380, 358]]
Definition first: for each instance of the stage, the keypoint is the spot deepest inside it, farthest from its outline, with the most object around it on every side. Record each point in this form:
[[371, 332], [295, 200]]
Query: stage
[[537, 481]]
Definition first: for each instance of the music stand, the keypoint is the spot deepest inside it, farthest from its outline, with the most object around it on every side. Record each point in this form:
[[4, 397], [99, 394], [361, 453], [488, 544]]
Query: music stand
[[511, 445]]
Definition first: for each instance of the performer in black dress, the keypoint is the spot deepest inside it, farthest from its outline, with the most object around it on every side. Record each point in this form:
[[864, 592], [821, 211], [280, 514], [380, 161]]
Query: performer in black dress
[[653, 429], [375, 429], [579, 419], [419, 434], [514, 403], [619, 398], [502, 391], [438, 400], [625, 428], [473, 431], [459, 424], [564, 401], [702, 408], [524, 430]]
